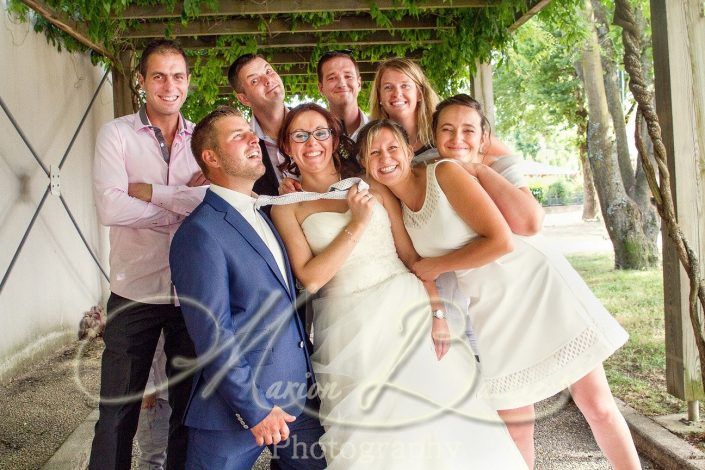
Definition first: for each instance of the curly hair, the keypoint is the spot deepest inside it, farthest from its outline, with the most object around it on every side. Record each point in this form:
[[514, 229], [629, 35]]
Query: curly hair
[[343, 146]]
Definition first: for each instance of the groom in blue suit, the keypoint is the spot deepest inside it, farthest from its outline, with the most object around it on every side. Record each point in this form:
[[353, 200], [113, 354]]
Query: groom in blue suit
[[237, 295]]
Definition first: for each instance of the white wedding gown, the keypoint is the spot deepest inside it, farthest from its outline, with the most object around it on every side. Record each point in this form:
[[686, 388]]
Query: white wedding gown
[[386, 401]]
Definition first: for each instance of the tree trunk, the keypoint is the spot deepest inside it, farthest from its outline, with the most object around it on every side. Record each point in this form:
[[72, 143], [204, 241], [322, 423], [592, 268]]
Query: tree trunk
[[621, 214], [642, 193], [590, 204], [614, 98]]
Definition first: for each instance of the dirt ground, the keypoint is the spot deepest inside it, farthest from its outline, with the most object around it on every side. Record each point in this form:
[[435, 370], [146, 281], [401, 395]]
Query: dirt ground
[[42, 406]]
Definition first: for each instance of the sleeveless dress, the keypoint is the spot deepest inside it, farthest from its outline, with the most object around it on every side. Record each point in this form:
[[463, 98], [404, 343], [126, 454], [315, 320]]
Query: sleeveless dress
[[506, 166], [386, 401], [539, 328]]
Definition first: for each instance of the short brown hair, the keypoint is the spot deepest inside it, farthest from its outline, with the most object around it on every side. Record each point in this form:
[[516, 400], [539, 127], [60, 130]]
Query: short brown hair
[[461, 99], [160, 46], [204, 134], [235, 67], [330, 55]]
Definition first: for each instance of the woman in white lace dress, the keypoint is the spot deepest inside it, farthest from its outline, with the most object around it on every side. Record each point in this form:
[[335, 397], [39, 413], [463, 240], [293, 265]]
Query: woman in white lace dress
[[538, 326], [390, 396]]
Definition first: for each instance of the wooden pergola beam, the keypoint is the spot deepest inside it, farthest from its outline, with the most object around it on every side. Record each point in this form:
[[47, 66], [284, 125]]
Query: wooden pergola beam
[[296, 40], [226, 90], [277, 7], [302, 55], [274, 26], [534, 8], [76, 30], [366, 68]]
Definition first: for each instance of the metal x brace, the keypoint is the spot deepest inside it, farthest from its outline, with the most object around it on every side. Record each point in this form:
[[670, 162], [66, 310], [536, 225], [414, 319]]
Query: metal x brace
[[49, 175]]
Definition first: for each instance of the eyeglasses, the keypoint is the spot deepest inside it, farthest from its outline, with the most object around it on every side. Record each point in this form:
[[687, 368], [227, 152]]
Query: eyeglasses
[[318, 134]]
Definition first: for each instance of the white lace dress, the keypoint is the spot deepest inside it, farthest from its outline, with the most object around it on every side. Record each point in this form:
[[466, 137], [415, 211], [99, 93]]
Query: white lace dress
[[386, 401], [539, 328]]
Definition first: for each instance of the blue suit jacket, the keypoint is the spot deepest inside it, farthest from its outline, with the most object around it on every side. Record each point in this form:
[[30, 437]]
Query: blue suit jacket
[[239, 311]]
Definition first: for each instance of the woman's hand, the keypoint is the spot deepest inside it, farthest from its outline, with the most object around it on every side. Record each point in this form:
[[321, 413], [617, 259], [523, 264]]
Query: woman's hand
[[425, 269], [441, 337], [289, 185], [360, 203]]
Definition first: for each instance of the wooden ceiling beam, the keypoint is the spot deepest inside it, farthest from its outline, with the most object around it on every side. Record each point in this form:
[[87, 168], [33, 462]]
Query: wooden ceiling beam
[[277, 7], [76, 30], [296, 40], [302, 69], [227, 91], [535, 6], [302, 56], [275, 26]]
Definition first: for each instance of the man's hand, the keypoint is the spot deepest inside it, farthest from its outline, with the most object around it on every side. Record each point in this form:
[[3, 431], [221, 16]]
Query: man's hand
[[141, 191], [273, 429], [149, 401], [198, 180]]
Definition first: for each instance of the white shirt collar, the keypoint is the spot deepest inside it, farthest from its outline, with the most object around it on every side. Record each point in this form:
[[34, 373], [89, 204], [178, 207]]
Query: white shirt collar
[[364, 119], [243, 203]]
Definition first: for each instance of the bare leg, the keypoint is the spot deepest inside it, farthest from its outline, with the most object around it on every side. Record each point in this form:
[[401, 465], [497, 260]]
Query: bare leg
[[520, 424], [593, 397]]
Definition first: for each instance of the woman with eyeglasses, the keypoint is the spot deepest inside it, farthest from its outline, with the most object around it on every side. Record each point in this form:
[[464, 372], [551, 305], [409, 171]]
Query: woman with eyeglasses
[[397, 384]]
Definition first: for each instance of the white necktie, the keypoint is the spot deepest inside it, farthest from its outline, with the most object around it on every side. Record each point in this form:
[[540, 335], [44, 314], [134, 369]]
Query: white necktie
[[338, 190]]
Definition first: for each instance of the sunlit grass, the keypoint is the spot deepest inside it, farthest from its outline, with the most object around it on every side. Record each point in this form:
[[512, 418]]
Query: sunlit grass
[[636, 372]]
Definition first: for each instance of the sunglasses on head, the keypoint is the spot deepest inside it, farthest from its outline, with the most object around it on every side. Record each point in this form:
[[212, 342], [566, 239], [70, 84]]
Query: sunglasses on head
[[347, 52]]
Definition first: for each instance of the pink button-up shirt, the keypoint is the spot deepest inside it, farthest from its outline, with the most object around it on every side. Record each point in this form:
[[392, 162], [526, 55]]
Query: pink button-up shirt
[[127, 150]]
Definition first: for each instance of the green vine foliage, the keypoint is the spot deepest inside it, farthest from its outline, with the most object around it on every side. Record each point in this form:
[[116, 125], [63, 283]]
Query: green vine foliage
[[477, 33]]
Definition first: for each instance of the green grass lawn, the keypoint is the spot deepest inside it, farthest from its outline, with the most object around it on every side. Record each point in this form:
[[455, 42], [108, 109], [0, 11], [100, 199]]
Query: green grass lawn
[[637, 371]]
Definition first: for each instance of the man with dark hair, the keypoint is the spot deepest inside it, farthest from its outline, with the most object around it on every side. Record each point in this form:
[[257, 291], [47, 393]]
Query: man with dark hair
[[258, 86], [236, 287], [144, 179], [339, 82]]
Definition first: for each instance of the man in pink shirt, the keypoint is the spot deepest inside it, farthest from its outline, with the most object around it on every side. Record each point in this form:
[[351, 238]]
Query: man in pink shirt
[[145, 181]]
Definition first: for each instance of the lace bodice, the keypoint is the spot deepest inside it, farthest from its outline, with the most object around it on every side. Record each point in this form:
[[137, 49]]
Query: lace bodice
[[374, 258], [436, 228]]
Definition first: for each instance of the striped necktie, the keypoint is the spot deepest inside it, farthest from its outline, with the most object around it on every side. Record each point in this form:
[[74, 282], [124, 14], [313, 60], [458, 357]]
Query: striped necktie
[[338, 190]]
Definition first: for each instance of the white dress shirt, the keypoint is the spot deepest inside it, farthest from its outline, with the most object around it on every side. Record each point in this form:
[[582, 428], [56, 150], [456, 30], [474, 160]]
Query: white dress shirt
[[245, 205]]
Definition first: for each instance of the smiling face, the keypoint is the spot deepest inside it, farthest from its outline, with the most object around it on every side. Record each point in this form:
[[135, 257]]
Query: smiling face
[[262, 87], [165, 85], [398, 94], [388, 159], [340, 84], [459, 133], [313, 155], [237, 155]]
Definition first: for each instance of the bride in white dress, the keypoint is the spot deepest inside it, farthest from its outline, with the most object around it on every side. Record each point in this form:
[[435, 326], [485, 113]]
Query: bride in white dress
[[391, 397], [539, 328]]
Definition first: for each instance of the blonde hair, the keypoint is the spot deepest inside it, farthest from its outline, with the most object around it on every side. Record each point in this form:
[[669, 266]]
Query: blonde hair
[[429, 98], [369, 133]]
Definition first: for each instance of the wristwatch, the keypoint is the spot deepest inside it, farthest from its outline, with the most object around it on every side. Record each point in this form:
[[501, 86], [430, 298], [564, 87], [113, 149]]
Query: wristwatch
[[440, 314]]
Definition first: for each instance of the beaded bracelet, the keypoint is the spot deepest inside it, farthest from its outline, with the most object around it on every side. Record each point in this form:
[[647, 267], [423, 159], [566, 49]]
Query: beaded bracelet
[[350, 235]]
